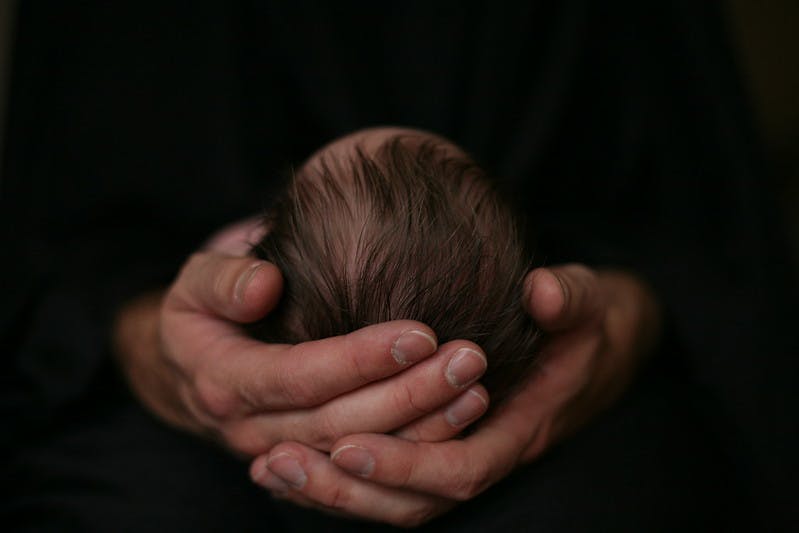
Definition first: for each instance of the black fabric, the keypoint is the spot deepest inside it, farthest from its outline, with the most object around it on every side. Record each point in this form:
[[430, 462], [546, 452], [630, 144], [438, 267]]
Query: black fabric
[[136, 129]]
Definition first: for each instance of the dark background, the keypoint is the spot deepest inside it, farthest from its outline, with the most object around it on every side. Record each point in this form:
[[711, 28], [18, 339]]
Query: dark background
[[766, 38]]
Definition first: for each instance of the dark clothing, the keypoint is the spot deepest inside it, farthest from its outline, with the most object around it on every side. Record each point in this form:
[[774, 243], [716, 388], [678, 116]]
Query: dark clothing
[[136, 131]]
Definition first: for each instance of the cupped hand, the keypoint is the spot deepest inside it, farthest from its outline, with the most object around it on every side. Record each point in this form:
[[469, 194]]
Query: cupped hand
[[188, 359], [599, 327]]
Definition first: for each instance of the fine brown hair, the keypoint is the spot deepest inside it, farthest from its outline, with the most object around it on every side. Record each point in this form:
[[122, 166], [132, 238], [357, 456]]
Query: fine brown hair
[[411, 232]]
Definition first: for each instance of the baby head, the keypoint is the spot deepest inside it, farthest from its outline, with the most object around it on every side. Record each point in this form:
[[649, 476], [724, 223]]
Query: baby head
[[390, 224]]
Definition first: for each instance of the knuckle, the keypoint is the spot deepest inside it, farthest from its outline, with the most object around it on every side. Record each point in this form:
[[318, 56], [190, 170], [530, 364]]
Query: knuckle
[[221, 285], [180, 295], [217, 401], [405, 402], [585, 277], [471, 481], [336, 498], [356, 358], [295, 388], [325, 430], [405, 474], [582, 270]]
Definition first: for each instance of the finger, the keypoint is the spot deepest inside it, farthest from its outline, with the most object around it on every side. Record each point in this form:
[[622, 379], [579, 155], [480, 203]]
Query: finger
[[450, 420], [453, 469], [240, 376], [380, 407], [450, 469], [389, 404], [306, 475], [240, 289], [563, 297]]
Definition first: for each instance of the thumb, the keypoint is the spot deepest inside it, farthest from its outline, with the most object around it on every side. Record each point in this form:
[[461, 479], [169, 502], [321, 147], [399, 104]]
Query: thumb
[[239, 289], [562, 297]]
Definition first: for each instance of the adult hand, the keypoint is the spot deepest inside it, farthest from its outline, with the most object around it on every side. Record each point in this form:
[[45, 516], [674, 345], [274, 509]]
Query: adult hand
[[599, 326], [188, 359]]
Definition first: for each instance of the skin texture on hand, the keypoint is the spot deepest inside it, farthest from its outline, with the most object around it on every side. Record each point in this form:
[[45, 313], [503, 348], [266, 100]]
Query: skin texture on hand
[[599, 325], [190, 362]]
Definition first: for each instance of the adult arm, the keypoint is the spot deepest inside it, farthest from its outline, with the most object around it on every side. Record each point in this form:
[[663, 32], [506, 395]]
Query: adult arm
[[600, 326]]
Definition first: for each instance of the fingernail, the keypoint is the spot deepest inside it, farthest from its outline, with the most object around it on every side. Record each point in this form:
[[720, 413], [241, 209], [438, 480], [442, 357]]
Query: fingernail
[[413, 346], [244, 281], [288, 469], [354, 459], [467, 408], [465, 367]]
